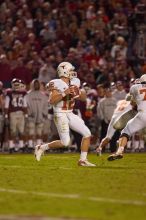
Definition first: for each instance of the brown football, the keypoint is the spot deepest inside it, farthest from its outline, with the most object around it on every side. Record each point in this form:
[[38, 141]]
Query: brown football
[[75, 92]]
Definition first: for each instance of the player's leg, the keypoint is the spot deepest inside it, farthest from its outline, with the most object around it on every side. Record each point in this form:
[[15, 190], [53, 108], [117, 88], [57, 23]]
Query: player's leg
[[109, 135], [102, 145], [121, 121], [62, 125], [134, 125], [21, 127], [13, 131], [78, 125], [122, 143]]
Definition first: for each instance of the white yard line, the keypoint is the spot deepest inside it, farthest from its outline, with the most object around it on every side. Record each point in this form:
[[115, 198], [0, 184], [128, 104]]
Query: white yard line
[[76, 196], [8, 157], [10, 166], [32, 167], [60, 156]]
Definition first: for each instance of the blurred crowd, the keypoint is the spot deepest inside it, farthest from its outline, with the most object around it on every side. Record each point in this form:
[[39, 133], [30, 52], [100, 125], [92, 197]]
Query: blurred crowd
[[97, 37]]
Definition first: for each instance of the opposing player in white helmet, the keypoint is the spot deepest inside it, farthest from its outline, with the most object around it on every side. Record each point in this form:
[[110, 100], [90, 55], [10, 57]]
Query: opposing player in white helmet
[[63, 93], [138, 93]]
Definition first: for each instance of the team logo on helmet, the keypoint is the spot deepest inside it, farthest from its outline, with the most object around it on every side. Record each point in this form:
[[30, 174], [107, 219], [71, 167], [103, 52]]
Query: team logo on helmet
[[66, 69]]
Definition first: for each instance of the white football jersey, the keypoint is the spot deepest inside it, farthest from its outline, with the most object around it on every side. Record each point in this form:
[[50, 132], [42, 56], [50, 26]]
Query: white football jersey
[[75, 82], [67, 103], [122, 107], [138, 92]]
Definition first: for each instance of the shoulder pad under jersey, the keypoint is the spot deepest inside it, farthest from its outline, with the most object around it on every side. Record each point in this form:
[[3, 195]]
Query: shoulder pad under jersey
[[75, 82]]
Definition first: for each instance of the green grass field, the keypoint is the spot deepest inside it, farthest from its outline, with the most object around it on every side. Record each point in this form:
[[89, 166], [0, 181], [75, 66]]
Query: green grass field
[[57, 187]]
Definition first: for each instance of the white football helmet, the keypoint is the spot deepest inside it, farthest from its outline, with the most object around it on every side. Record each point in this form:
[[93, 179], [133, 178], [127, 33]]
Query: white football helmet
[[143, 78], [16, 84], [66, 69]]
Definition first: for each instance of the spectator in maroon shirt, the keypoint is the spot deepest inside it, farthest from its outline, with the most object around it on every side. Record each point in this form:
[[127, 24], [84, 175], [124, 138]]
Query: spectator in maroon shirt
[[90, 55], [32, 43], [65, 35], [22, 72], [6, 72]]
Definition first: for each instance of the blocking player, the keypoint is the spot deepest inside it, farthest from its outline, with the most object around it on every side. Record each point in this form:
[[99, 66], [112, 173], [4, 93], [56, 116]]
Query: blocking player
[[138, 93], [123, 107], [125, 110], [16, 111], [63, 93]]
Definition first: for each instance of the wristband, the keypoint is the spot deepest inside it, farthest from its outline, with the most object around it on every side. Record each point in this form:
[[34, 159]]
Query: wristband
[[63, 94]]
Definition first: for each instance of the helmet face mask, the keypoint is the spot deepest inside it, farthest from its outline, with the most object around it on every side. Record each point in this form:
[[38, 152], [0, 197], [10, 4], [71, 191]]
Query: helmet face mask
[[66, 69], [16, 84]]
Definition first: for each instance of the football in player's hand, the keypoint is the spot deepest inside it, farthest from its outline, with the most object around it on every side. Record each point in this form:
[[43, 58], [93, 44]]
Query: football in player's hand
[[74, 91]]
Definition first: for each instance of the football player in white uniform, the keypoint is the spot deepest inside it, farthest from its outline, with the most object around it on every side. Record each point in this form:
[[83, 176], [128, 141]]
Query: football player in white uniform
[[63, 93], [123, 106], [138, 93]]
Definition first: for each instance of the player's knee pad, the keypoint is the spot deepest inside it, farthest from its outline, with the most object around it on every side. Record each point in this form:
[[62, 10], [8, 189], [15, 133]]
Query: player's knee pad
[[86, 132]]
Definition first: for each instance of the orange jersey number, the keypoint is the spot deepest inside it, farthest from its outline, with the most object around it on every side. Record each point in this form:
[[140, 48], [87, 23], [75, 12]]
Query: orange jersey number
[[143, 91], [68, 103]]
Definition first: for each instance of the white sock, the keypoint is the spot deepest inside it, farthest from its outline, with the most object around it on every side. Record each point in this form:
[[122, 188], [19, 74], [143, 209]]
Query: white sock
[[120, 150], [11, 144], [30, 144], [136, 144], [129, 144], [83, 155], [21, 144], [45, 147], [141, 144]]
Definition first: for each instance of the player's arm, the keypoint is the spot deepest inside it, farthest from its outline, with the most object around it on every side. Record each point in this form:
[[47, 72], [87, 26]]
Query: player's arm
[[77, 93], [6, 106], [83, 95], [56, 96]]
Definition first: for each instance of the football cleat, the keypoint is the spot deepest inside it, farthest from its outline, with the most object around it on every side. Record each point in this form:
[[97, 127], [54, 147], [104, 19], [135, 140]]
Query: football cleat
[[115, 157], [85, 163], [38, 152]]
